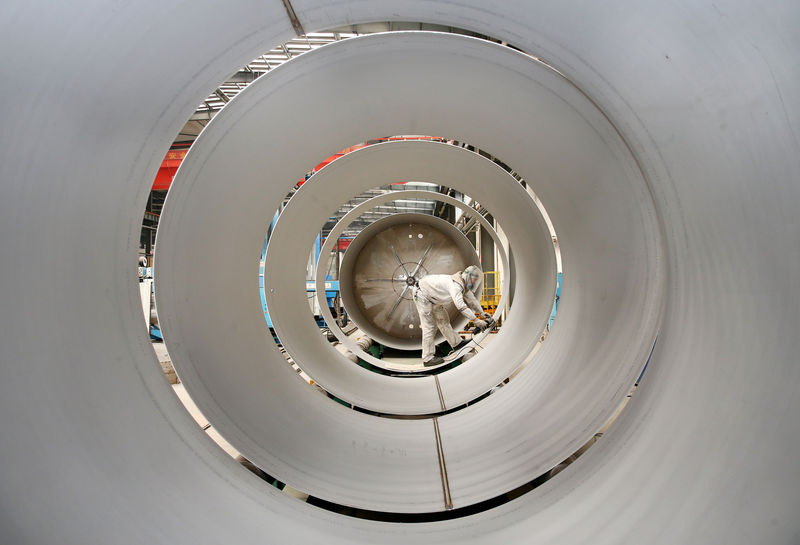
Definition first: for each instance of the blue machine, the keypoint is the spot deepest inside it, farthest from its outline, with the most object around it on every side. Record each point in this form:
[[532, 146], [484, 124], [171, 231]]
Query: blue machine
[[155, 333], [146, 273], [555, 304]]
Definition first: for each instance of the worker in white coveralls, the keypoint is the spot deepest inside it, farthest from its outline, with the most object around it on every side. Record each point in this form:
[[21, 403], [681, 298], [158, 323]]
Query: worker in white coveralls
[[432, 295]]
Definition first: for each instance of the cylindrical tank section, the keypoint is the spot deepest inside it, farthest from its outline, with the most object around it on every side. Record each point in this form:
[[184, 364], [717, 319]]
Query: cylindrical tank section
[[690, 237], [383, 263]]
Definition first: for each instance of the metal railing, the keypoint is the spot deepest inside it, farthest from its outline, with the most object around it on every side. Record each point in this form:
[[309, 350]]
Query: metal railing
[[491, 291]]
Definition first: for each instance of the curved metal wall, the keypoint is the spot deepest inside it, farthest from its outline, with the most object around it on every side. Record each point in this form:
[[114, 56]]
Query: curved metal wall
[[96, 449]]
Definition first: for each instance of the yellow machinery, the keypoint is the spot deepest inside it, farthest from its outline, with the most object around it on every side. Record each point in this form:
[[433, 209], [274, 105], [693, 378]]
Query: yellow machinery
[[491, 291]]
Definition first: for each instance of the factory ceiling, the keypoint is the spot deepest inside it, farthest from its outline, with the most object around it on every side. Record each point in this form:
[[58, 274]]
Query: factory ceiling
[[273, 58]]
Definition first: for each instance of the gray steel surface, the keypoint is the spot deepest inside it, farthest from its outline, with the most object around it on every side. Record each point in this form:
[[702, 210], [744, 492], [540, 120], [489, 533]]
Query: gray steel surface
[[610, 258], [297, 330], [692, 235], [379, 264], [347, 174]]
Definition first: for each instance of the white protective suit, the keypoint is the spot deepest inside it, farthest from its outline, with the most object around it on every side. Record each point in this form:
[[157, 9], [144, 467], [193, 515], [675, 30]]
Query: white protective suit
[[432, 296]]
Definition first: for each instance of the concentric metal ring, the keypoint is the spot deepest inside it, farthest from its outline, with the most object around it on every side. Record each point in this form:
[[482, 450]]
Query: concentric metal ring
[[611, 254], [401, 249], [353, 214], [391, 162], [704, 94]]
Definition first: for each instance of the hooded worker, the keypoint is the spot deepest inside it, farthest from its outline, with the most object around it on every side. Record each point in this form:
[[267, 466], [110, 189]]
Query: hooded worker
[[432, 296]]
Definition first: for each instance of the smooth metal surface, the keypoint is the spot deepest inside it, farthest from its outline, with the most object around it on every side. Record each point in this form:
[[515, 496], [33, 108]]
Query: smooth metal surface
[[610, 258], [374, 278], [341, 176], [352, 174], [707, 97]]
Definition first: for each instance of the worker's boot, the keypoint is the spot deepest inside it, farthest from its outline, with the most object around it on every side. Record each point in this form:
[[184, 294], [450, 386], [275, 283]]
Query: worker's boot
[[436, 360], [462, 344]]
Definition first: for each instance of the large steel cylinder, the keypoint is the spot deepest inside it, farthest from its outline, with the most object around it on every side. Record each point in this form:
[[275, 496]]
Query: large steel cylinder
[[383, 263], [703, 97]]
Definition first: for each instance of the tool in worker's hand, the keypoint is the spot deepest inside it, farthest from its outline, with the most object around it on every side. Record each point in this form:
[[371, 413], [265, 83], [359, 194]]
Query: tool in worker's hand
[[468, 345], [490, 324]]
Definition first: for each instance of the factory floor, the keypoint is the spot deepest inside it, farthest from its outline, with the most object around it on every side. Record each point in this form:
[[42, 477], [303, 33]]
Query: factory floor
[[166, 366]]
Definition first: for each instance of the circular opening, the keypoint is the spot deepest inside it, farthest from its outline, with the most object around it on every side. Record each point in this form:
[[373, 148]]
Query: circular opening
[[369, 360], [260, 438]]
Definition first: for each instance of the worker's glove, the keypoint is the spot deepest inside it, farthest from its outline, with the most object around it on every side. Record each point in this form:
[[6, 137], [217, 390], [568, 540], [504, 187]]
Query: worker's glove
[[480, 325], [486, 316]]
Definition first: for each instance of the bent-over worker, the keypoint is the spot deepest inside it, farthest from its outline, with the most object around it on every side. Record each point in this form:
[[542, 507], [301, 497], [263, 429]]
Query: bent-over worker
[[433, 293]]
